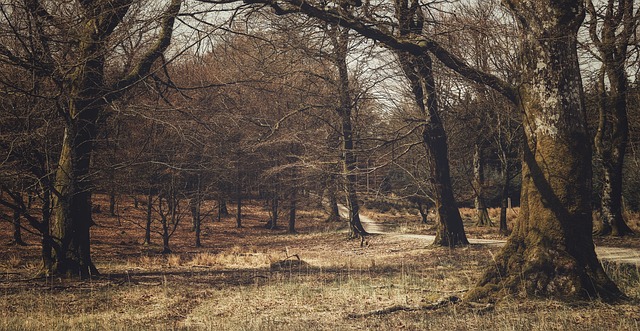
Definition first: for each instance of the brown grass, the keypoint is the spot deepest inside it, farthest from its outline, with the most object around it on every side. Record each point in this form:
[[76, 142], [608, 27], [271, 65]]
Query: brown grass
[[232, 284]]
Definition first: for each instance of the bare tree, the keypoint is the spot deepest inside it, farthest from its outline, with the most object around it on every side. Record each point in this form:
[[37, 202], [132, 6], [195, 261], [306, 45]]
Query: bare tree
[[419, 72], [72, 44], [552, 244], [612, 27]]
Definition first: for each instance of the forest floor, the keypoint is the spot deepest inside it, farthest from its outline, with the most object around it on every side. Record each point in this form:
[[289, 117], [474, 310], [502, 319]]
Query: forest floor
[[258, 279]]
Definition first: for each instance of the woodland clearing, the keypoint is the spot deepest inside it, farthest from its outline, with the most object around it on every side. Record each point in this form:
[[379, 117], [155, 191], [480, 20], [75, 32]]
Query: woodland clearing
[[254, 278]]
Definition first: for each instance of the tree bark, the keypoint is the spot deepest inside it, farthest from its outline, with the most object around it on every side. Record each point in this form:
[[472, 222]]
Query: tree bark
[[612, 134], [17, 229], [197, 221], [222, 208], [88, 95], [423, 213], [292, 210], [147, 227], [504, 199], [334, 212], [112, 204], [239, 212], [340, 38], [164, 220], [72, 201], [450, 230], [274, 204], [419, 72], [551, 252], [482, 215]]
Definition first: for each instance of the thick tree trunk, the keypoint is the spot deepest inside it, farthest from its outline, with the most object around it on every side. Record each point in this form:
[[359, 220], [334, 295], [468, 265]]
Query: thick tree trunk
[[72, 203], [482, 215], [551, 252]]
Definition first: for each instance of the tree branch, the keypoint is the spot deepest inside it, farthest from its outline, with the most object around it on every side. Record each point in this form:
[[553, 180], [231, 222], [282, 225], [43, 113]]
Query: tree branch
[[142, 69]]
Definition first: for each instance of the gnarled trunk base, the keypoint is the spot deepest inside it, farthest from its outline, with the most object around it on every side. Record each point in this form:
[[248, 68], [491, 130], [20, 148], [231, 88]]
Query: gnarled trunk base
[[540, 271]]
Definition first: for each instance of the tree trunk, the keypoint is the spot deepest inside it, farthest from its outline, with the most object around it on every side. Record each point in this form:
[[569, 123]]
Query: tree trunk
[[292, 211], [147, 228], [482, 215], [334, 212], [112, 204], [340, 43], [551, 252], [72, 201], [195, 214], [239, 201], [166, 249], [47, 242], [423, 213], [504, 199], [274, 204], [239, 212], [222, 208], [611, 36], [450, 231], [419, 72], [17, 229], [610, 142]]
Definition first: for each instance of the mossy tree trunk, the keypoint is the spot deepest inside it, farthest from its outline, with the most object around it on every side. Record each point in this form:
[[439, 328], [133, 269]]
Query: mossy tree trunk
[[551, 252], [419, 72]]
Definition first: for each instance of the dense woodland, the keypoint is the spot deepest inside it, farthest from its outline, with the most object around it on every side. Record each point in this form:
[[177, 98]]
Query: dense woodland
[[189, 107]]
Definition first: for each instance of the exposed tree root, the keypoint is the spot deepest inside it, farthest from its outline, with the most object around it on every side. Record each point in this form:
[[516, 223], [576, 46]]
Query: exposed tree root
[[440, 303]]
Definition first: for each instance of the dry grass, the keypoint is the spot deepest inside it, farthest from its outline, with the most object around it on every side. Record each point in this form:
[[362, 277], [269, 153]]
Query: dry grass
[[237, 282]]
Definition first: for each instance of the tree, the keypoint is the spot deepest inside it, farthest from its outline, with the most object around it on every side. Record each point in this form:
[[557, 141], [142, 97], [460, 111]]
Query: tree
[[611, 29], [551, 251], [340, 42], [75, 51], [419, 72]]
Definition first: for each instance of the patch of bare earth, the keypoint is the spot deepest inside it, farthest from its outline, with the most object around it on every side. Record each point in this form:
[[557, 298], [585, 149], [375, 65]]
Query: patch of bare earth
[[258, 279]]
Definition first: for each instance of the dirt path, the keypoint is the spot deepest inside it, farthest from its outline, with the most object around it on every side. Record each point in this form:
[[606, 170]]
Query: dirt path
[[612, 254]]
